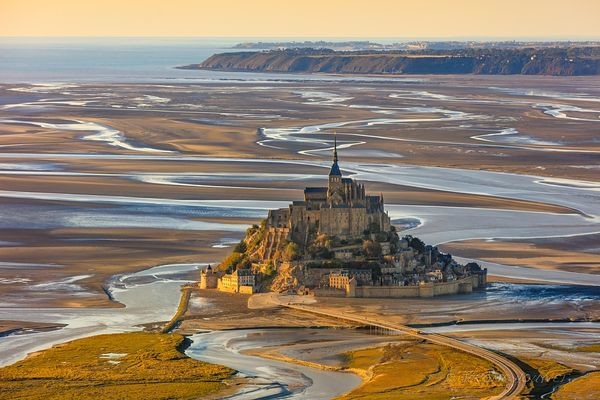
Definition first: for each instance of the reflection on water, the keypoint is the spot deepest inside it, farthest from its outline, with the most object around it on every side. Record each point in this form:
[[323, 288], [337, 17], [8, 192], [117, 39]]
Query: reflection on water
[[150, 296], [93, 130], [542, 293], [513, 326], [269, 378], [161, 217], [132, 60]]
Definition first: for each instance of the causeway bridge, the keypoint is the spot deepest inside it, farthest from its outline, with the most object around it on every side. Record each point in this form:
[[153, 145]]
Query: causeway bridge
[[515, 377]]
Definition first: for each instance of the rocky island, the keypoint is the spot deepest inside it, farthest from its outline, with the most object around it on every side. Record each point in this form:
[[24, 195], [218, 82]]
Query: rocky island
[[339, 241], [558, 61]]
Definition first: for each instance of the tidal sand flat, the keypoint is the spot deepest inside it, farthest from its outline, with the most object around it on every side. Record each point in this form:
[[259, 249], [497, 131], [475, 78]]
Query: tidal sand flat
[[269, 378], [149, 298], [115, 191], [580, 254]]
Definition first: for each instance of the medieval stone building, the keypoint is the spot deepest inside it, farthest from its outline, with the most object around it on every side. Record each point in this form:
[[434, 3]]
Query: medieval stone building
[[239, 281], [341, 209], [339, 242], [208, 278]]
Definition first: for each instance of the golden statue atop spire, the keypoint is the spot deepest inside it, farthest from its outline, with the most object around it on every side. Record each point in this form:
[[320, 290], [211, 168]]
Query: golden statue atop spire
[[335, 156]]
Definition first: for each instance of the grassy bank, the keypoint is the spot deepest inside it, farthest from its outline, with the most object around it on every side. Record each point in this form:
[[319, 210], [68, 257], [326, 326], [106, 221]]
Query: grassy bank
[[184, 302], [583, 388], [421, 370], [119, 366]]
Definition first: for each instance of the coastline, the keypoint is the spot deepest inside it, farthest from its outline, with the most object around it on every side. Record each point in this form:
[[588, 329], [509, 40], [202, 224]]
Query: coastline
[[88, 185]]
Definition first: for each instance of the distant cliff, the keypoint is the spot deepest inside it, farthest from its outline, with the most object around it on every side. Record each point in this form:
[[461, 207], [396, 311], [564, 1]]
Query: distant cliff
[[528, 61]]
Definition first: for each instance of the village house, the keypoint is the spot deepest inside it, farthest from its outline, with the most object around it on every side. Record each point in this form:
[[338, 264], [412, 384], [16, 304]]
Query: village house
[[239, 281], [208, 278]]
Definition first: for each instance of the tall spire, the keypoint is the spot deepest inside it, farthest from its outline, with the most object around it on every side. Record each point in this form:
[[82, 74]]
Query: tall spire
[[335, 169], [335, 157]]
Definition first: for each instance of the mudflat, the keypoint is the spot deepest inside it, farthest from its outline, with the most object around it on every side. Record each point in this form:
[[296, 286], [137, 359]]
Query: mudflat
[[99, 179], [579, 254]]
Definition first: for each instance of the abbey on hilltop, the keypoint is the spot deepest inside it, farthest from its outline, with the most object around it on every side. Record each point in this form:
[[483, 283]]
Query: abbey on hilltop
[[341, 209], [339, 241]]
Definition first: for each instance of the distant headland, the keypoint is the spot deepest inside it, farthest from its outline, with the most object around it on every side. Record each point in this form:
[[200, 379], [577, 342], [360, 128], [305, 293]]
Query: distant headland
[[412, 45], [562, 60]]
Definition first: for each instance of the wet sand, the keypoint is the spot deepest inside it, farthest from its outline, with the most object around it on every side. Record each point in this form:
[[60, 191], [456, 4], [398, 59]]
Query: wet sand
[[103, 179], [150, 297], [500, 302], [214, 310], [580, 254], [551, 343], [78, 262], [24, 327], [227, 126], [269, 378], [212, 187]]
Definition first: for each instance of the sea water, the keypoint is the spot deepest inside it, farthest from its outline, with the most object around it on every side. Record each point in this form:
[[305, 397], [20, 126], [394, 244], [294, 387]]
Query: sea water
[[126, 59]]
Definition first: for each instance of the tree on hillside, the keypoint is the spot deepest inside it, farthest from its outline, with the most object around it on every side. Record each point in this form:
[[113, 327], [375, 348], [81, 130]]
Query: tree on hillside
[[372, 249], [230, 262], [291, 252], [240, 247], [322, 240], [415, 243]]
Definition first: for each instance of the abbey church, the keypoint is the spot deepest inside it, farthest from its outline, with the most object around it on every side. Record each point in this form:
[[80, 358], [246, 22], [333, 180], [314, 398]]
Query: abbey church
[[341, 209], [339, 242]]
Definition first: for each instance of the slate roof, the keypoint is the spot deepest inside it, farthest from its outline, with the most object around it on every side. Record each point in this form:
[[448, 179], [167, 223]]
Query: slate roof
[[315, 190], [335, 169]]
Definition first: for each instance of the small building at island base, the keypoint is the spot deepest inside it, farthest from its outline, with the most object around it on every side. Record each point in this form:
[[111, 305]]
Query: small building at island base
[[345, 285], [208, 279], [239, 281]]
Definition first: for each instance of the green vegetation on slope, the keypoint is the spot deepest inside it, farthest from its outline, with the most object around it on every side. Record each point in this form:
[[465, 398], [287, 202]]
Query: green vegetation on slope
[[548, 369], [119, 366], [583, 388], [543, 375], [421, 370]]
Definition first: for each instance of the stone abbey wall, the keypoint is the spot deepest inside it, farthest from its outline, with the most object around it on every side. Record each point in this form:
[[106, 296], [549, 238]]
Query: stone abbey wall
[[341, 209], [208, 281], [465, 285], [244, 289], [329, 292], [343, 221], [460, 286]]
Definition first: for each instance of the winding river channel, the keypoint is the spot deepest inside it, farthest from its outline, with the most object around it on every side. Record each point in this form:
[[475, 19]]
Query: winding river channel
[[270, 378], [466, 222], [152, 295]]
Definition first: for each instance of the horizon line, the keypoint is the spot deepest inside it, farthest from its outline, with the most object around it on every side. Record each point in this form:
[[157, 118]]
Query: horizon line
[[317, 38]]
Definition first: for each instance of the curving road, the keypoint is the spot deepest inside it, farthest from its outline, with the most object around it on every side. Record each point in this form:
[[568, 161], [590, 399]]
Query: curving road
[[515, 376]]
